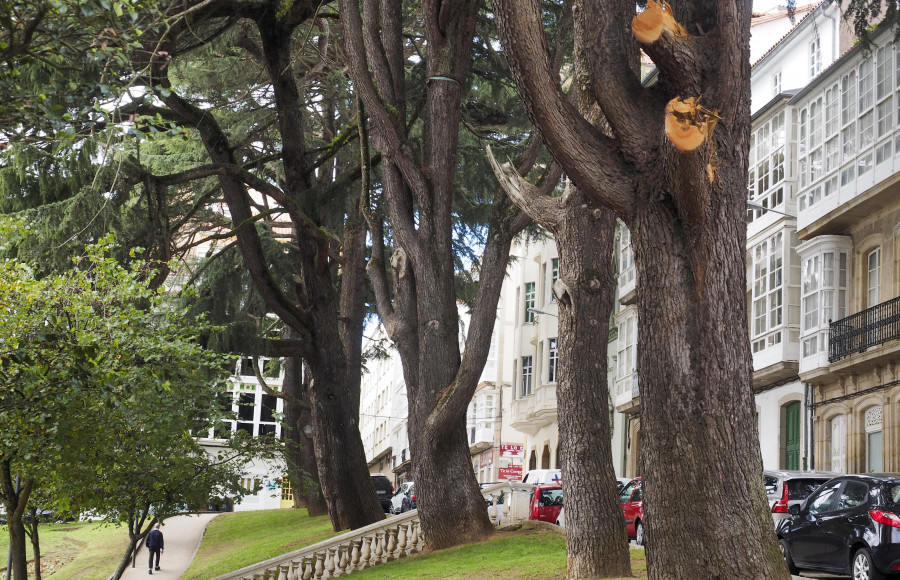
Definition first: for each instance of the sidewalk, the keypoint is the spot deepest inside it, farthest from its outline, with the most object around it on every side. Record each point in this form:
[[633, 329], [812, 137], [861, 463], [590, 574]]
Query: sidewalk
[[182, 535]]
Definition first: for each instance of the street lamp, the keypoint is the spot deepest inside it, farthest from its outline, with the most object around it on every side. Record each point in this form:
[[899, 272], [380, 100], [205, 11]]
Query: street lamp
[[754, 205], [536, 311]]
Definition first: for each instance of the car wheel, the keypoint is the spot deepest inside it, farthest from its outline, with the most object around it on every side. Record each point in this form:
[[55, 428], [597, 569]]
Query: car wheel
[[786, 552], [639, 534], [863, 568]]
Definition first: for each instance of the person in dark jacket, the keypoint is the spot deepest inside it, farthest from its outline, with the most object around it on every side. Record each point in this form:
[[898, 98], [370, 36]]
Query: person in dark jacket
[[155, 545]]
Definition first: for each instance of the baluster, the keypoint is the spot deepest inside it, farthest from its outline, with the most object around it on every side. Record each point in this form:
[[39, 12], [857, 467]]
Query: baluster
[[418, 539], [379, 547], [307, 563], [320, 566], [401, 541], [342, 560], [285, 568], [329, 563], [391, 545], [354, 555], [271, 574], [296, 572], [366, 552]]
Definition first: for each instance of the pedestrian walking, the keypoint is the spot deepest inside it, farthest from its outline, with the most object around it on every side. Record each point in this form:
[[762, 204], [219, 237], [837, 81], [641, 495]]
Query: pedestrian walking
[[155, 544]]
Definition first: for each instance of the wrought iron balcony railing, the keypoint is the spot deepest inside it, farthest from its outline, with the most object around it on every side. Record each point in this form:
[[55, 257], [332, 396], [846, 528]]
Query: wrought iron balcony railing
[[863, 330]]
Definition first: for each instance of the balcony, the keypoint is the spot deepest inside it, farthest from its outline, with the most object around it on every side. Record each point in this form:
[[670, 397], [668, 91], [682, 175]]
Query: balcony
[[864, 330], [628, 397], [531, 413]]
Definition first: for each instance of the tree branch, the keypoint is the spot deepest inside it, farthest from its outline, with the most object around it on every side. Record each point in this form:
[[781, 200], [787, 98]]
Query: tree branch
[[588, 157]]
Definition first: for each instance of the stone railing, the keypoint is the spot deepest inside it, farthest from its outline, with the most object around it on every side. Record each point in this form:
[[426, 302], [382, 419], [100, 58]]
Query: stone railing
[[514, 500], [394, 538]]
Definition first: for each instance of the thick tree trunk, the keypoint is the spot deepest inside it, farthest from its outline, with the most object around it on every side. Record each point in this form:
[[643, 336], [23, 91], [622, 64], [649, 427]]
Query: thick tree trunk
[[694, 371], [596, 544], [442, 470], [300, 455]]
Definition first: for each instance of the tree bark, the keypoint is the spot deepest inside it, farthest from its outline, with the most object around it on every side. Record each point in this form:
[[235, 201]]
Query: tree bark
[[686, 214], [300, 455], [596, 544]]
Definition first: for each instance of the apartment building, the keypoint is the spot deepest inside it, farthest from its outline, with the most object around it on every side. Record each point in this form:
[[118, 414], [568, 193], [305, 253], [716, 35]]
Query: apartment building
[[529, 295]]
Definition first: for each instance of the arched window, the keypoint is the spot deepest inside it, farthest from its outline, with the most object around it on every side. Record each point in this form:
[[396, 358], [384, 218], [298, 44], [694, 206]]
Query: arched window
[[545, 458], [532, 462], [874, 439]]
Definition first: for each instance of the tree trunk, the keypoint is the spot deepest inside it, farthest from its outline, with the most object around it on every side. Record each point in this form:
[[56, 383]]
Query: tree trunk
[[442, 470], [32, 531], [596, 544], [18, 542], [126, 560], [15, 498], [694, 281], [300, 455]]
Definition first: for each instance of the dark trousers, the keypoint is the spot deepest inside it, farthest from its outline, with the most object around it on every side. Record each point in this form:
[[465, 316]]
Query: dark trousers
[[153, 551]]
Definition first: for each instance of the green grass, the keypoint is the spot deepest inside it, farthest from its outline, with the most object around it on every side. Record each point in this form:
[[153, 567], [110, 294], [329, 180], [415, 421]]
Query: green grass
[[82, 551], [239, 539], [526, 554]]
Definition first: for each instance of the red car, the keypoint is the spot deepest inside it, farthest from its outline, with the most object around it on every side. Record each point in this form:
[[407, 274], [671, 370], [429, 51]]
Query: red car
[[632, 496], [546, 501]]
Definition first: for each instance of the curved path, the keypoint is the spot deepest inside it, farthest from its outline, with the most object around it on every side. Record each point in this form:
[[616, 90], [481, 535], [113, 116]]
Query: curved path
[[182, 535]]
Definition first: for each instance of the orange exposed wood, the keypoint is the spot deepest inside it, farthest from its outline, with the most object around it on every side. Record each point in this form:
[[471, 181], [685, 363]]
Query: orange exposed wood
[[688, 124], [649, 25]]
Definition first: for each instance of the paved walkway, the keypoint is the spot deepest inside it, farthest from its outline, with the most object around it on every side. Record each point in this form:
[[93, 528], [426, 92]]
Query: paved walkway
[[182, 535]]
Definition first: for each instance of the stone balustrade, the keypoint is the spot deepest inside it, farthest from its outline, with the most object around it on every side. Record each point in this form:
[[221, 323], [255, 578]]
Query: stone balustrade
[[394, 538], [385, 541]]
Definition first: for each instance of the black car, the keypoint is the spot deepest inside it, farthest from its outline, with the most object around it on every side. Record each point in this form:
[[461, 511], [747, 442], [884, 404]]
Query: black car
[[850, 525], [385, 490]]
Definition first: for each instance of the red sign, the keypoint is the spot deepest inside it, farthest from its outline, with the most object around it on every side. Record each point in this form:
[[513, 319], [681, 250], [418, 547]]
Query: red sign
[[513, 472], [511, 451], [487, 459]]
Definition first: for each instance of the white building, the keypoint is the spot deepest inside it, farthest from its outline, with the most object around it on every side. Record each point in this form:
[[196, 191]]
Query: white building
[[528, 288], [256, 413]]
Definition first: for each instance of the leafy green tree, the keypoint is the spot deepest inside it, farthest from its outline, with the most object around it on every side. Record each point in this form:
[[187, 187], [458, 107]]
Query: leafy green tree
[[101, 380]]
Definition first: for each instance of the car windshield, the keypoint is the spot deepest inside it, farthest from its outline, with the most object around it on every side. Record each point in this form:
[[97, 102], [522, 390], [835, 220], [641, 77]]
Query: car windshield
[[801, 488]]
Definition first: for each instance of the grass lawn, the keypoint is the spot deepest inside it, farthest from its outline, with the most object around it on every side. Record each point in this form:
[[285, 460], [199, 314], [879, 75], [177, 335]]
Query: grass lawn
[[526, 553], [78, 550], [239, 539]]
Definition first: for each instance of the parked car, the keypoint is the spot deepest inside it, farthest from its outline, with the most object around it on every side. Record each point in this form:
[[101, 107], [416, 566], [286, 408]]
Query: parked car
[[621, 482], [404, 498], [539, 476], [849, 525], [785, 488], [385, 490], [632, 500], [546, 501]]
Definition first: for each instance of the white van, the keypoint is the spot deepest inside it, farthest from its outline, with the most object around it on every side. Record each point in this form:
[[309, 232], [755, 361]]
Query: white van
[[541, 476]]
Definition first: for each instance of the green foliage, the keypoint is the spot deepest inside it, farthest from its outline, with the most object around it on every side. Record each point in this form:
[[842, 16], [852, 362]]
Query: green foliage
[[102, 381]]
